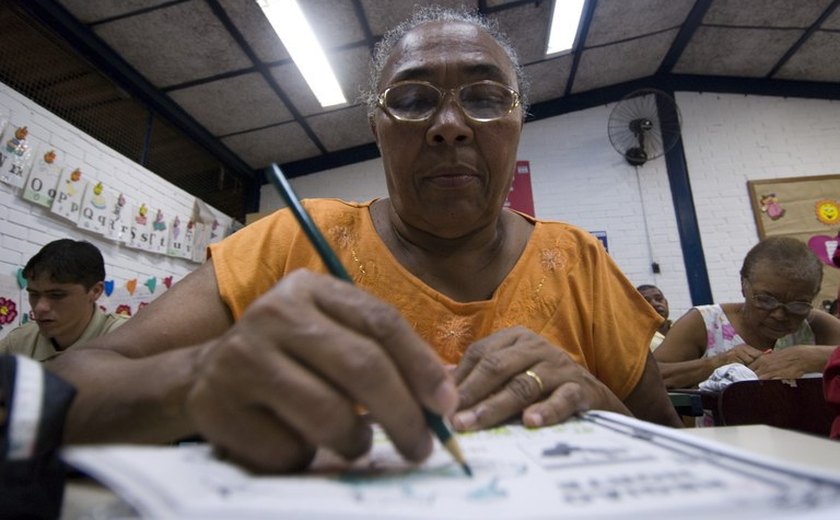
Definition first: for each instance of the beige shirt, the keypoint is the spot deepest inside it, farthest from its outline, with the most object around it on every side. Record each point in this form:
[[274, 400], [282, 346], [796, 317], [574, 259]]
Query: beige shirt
[[28, 341]]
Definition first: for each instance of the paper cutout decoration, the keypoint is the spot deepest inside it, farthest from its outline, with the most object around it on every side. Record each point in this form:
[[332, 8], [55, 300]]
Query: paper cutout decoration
[[95, 204], [21, 280], [771, 205], [43, 179], [825, 248], [131, 285], [167, 282], [828, 211], [11, 311], [16, 158], [68, 194], [151, 283], [141, 228], [119, 219], [8, 310], [109, 287]]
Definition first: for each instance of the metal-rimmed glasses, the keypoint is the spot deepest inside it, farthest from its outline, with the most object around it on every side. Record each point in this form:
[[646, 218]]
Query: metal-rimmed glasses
[[417, 101], [769, 303]]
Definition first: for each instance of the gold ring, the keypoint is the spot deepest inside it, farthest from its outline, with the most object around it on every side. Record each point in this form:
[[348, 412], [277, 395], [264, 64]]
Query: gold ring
[[535, 377]]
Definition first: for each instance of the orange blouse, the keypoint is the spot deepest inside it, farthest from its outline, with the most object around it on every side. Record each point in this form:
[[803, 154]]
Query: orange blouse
[[564, 287]]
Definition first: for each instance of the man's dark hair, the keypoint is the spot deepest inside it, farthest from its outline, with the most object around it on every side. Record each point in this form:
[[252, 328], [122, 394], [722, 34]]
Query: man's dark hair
[[67, 261], [645, 287]]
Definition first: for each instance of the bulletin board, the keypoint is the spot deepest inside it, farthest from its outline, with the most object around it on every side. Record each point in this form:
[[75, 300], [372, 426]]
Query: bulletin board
[[805, 208]]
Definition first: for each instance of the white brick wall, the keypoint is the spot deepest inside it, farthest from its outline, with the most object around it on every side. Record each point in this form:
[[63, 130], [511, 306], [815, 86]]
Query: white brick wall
[[578, 177], [26, 227]]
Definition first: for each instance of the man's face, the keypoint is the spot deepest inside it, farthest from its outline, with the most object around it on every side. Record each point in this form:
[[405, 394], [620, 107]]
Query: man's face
[[657, 300], [62, 310], [448, 175]]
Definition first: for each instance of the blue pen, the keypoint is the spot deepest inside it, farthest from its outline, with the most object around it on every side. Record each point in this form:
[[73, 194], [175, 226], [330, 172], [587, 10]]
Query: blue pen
[[434, 421]]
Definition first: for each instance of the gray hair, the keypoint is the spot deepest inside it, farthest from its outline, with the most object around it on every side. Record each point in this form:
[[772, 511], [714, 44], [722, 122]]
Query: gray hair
[[790, 258], [383, 49]]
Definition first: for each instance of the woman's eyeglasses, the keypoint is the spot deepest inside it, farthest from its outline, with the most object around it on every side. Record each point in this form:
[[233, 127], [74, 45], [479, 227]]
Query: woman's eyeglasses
[[417, 101], [769, 303]]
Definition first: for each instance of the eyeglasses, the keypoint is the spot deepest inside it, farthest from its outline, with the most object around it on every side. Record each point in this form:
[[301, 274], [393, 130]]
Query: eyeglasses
[[769, 303], [417, 101]]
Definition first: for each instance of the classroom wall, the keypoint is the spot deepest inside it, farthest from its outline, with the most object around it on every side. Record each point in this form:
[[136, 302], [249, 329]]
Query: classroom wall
[[26, 227], [578, 177]]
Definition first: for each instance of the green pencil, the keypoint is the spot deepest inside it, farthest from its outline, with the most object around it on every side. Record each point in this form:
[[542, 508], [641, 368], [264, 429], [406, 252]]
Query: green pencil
[[433, 420]]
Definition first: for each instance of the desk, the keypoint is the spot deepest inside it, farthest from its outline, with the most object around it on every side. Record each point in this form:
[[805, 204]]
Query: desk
[[787, 445]]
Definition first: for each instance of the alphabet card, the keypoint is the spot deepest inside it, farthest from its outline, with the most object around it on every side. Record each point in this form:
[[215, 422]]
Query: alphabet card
[[141, 227], [16, 157], [68, 194], [159, 236], [119, 219], [43, 178], [95, 204], [177, 231]]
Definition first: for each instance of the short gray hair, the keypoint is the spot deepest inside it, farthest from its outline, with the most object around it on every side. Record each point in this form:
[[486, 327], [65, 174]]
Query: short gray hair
[[383, 49]]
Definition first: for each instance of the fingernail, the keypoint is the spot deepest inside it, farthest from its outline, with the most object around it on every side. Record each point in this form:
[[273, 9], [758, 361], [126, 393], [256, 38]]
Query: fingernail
[[533, 419], [446, 396], [463, 421]]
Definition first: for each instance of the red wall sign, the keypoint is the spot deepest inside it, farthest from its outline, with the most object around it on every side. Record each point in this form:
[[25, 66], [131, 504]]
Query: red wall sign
[[520, 197]]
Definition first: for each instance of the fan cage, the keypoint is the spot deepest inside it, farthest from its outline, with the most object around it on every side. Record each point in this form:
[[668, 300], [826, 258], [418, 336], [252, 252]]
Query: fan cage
[[627, 121]]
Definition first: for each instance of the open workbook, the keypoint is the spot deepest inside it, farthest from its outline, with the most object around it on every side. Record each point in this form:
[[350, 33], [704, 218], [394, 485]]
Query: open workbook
[[601, 465]]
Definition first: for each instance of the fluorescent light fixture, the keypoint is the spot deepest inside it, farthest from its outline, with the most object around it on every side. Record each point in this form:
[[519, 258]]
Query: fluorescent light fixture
[[564, 25], [291, 26]]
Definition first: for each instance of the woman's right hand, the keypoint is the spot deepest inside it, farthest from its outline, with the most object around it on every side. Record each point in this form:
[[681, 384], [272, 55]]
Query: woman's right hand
[[289, 375], [742, 353]]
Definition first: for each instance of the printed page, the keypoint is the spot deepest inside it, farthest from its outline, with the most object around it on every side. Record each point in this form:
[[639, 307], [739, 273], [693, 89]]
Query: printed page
[[601, 466]]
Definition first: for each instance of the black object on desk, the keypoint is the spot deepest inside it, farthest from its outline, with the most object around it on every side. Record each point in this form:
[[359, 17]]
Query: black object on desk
[[273, 172], [35, 404]]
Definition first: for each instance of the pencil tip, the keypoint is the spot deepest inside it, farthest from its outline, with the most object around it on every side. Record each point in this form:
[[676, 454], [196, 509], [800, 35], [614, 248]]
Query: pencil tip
[[467, 469]]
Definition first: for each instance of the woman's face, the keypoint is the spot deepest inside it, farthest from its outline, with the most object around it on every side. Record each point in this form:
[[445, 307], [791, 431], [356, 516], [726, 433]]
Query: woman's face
[[449, 175], [765, 285]]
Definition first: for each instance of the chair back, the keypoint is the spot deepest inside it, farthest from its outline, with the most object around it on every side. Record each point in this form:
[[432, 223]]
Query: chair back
[[793, 404]]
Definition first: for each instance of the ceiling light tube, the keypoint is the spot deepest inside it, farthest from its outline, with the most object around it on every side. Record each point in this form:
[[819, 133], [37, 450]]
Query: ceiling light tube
[[565, 21], [294, 31]]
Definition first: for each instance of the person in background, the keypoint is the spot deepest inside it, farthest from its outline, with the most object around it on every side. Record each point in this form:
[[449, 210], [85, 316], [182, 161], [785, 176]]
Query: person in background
[[831, 390], [63, 280], [268, 357], [657, 300], [775, 331]]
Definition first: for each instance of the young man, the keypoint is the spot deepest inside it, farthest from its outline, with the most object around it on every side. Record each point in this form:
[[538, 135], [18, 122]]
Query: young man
[[64, 280], [657, 300]]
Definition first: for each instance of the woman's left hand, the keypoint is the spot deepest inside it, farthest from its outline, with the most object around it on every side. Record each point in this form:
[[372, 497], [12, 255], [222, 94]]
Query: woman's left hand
[[518, 371], [789, 363]]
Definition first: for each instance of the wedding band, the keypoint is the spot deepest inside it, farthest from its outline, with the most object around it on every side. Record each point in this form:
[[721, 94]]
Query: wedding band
[[535, 377]]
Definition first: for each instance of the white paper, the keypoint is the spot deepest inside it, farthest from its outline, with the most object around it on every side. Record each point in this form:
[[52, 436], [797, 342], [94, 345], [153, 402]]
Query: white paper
[[603, 466]]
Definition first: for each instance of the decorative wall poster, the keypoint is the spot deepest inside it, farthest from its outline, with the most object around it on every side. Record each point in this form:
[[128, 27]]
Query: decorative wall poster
[[95, 204], [805, 208], [141, 227], [68, 194], [159, 235], [520, 197], [10, 304], [16, 157], [43, 178], [119, 218]]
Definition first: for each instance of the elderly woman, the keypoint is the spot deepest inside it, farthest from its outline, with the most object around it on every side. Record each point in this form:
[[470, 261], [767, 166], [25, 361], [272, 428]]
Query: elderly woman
[[775, 332], [268, 357]]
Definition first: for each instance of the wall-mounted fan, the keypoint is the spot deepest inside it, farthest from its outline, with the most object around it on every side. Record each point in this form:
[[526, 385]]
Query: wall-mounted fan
[[644, 125]]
